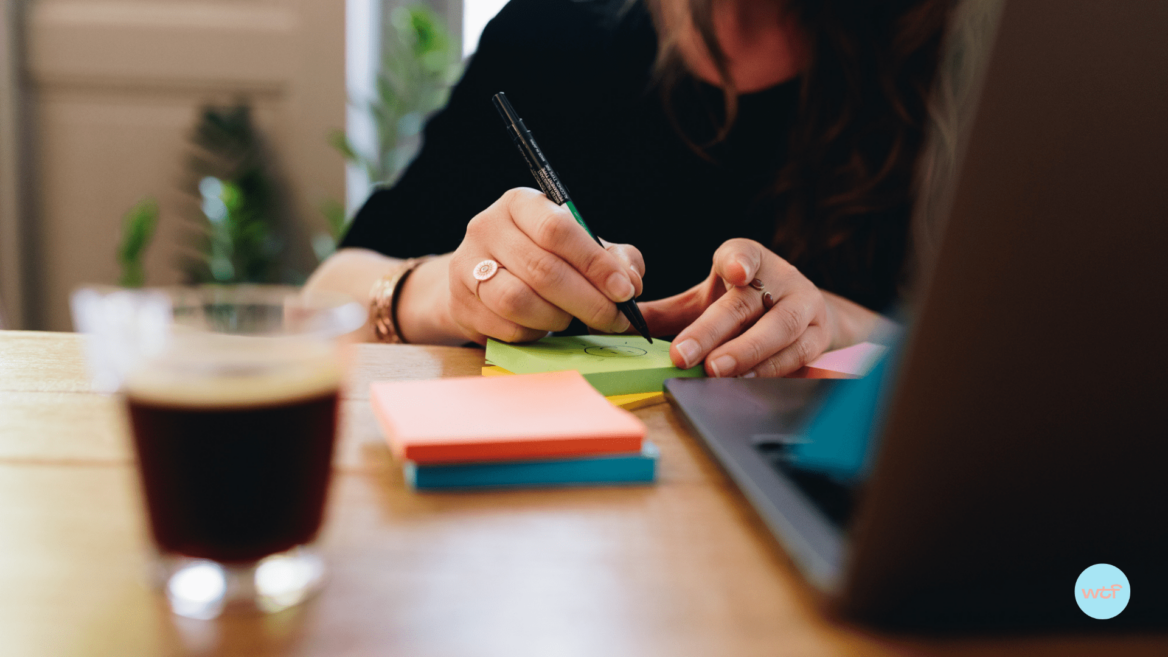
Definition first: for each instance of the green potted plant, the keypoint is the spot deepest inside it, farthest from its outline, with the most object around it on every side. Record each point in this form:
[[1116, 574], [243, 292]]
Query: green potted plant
[[420, 63]]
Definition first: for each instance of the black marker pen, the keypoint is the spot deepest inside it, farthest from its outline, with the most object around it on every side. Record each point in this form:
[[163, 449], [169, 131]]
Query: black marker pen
[[551, 186]]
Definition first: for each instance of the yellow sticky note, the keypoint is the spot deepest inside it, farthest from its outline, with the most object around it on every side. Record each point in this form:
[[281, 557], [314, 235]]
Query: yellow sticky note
[[627, 402], [636, 400]]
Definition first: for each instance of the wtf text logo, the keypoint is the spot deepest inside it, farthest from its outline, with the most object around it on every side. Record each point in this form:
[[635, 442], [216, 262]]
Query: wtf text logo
[[1102, 591]]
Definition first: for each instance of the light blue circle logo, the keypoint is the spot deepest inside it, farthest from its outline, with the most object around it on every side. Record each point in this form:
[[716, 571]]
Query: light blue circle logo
[[1102, 591]]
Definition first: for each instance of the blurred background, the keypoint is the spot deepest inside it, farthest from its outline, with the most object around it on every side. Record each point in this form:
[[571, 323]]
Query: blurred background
[[182, 141]]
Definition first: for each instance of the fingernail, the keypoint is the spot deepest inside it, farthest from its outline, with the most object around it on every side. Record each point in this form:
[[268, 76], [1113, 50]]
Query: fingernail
[[750, 375], [723, 365], [619, 287], [689, 351], [623, 324], [745, 264]]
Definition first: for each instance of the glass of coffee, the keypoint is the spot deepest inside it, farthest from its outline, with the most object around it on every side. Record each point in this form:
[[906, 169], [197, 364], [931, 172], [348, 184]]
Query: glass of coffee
[[232, 395]]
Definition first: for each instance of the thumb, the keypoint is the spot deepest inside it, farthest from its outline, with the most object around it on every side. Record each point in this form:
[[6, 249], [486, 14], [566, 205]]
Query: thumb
[[738, 261]]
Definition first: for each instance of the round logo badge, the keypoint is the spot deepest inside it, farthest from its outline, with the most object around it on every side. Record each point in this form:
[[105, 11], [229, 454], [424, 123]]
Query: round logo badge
[[1102, 591]]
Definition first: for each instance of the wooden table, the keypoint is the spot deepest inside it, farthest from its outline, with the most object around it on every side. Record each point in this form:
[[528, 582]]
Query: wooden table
[[680, 568]]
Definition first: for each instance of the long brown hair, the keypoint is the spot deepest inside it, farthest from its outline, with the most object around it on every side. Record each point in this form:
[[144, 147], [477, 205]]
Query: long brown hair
[[844, 196]]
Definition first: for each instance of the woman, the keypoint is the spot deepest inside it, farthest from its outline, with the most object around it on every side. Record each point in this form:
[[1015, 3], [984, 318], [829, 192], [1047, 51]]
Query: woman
[[777, 136]]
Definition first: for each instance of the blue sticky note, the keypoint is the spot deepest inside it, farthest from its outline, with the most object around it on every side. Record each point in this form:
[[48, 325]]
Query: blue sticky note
[[841, 437], [627, 468]]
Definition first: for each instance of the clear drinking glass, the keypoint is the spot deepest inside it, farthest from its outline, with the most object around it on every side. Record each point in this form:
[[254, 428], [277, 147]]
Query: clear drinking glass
[[232, 394]]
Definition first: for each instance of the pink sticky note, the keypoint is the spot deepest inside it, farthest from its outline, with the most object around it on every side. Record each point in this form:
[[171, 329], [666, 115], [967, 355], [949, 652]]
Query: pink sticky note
[[847, 363]]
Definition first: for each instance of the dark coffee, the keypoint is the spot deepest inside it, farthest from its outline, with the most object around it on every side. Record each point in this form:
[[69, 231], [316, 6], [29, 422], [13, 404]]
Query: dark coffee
[[235, 480]]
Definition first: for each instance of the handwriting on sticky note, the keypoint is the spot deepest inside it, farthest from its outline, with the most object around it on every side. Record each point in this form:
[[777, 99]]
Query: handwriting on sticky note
[[613, 364]]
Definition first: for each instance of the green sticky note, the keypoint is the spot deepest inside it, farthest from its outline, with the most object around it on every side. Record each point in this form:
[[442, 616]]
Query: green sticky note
[[613, 364]]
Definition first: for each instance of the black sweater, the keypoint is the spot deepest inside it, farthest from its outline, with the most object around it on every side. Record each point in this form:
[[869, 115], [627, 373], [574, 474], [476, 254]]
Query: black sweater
[[580, 75]]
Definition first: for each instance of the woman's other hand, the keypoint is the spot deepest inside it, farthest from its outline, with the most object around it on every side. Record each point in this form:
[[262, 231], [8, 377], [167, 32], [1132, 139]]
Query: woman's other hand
[[740, 330]]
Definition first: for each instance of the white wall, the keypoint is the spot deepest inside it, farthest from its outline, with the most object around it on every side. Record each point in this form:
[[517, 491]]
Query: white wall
[[362, 54], [475, 15]]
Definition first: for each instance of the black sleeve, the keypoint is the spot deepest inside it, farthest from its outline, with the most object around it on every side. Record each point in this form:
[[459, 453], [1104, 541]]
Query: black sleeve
[[467, 161]]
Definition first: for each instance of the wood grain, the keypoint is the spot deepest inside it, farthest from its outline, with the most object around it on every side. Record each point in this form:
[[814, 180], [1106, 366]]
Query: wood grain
[[386, 362], [680, 568], [59, 427], [34, 361]]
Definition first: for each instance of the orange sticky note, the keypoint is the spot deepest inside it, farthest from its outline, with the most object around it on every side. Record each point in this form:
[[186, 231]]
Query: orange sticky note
[[501, 418]]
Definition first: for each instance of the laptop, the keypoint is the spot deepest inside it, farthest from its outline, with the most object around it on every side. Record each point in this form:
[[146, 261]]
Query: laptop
[[1018, 433]]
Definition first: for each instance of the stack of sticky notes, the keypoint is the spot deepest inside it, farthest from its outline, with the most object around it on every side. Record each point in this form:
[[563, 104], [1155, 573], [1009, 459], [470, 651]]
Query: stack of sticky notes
[[527, 430], [628, 370]]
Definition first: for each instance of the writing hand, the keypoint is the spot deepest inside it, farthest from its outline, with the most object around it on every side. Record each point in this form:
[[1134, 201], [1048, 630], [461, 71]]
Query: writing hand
[[551, 271]]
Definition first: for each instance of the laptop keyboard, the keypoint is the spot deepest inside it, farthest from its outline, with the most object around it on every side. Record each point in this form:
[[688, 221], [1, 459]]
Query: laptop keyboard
[[836, 499]]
